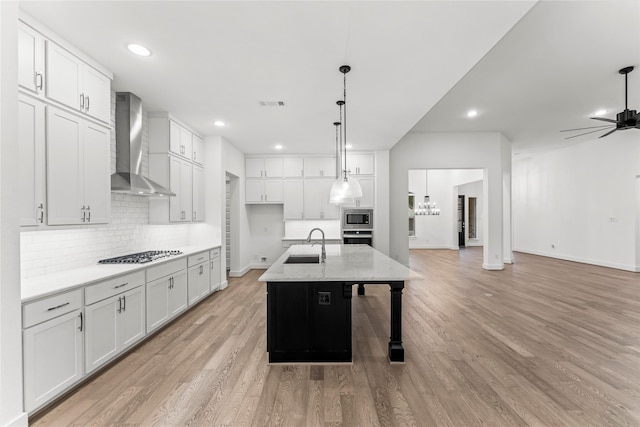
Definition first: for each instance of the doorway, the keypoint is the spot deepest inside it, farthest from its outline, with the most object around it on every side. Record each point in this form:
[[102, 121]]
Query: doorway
[[230, 226], [461, 222]]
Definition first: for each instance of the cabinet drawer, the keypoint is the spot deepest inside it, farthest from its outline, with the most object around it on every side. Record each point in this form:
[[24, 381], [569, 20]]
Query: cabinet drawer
[[108, 288], [49, 308], [165, 269], [198, 258], [214, 253]]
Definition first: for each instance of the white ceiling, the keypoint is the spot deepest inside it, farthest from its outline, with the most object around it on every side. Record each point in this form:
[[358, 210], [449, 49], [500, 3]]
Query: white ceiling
[[217, 60]]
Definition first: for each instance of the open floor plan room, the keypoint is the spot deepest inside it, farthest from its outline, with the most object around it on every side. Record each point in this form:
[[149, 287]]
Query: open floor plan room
[[544, 342]]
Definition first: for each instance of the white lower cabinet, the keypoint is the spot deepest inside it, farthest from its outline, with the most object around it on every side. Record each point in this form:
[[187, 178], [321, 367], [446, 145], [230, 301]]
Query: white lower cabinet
[[114, 323], [53, 348], [166, 292], [198, 277], [214, 269]]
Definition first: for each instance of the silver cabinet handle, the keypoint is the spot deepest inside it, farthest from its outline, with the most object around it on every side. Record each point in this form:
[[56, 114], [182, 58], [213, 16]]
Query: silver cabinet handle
[[124, 303], [89, 214], [200, 271], [39, 81], [211, 265], [58, 306], [83, 213], [87, 110], [120, 286], [81, 322], [82, 101], [119, 304], [41, 207]]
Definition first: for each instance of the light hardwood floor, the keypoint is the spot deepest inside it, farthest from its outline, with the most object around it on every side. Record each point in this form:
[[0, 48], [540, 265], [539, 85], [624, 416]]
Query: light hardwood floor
[[544, 342]]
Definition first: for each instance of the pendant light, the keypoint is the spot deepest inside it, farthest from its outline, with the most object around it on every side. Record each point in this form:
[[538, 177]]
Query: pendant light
[[345, 189]]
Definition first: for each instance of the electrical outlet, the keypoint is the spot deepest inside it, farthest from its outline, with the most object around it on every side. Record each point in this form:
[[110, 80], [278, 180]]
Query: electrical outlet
[[324, 298]]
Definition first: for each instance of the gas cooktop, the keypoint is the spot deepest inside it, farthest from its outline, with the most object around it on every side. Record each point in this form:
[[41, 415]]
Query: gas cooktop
[[140, 257]]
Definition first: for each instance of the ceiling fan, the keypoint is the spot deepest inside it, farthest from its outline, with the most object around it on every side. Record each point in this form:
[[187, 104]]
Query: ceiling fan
[[627, 119]]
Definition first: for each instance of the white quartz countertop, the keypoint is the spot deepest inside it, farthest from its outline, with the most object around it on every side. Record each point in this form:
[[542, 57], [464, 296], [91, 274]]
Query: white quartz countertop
[[358, 263], [314, 238], [41, 286]]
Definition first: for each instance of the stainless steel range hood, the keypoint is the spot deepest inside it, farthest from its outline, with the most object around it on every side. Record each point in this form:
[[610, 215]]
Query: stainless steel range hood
[[128, 177]]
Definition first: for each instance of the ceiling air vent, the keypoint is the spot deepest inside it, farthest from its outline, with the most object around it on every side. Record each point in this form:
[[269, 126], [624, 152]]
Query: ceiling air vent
[[271, 103]]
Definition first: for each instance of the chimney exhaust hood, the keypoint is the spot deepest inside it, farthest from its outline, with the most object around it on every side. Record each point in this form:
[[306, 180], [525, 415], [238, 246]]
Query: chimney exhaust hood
[[128, 177]]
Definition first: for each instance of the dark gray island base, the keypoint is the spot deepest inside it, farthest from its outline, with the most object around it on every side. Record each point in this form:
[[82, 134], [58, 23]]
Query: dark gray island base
[[309, 301], [311, 321]]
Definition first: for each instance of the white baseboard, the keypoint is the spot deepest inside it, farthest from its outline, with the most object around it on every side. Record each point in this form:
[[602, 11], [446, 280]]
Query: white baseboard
[[498, 266], [455, 248], [21, 420], [239, 273], [223, 285], [260, 266], [618, 266]]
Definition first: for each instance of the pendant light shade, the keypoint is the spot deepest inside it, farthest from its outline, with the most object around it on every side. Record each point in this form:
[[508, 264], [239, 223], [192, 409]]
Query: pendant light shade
[[345, 189]]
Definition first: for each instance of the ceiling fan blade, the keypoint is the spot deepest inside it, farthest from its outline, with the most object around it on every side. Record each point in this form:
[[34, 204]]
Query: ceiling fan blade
[[589, 127], [608, 133], [586, 133], [604, 119]]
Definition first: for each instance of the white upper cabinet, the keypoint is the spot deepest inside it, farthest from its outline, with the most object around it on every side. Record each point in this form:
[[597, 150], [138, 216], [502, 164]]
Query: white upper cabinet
[[30, 59], [197, 149], [73, 83], [361, 164], [316, 200], [78, 170], [317, 167], [293, 199], [198, 193], [293, 167], [166, 134], [268, 167], [31, 138], [367, 199], [176, 174]]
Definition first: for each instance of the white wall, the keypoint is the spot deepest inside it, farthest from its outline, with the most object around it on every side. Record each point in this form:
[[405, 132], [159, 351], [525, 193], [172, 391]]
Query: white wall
[[451, 151], [581, 202], [381, 203], [11, 412], [267, 228], [233, 163]]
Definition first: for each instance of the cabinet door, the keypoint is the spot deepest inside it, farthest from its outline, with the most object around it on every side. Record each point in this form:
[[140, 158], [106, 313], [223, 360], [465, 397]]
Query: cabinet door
[[293, 167], [175, 145], [360, 164], [101, 336], [198, 194], [175, 203], [31, 138], [186, 143], [131, 320], [178, 296], [254, 168], [157, 296], [64, 74], [316, 200], [254, 191], [214, 272], [30, 59], [315, 167], [64, 166], [97, 94], [186, 187], [198, 282], [367, 199], [273, 191], [293, 199], [96, 173], [197, 149], [273, 167], [52, 358]]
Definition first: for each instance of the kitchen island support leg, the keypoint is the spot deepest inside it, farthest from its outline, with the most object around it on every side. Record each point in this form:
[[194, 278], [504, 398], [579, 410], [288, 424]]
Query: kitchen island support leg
[[396, 350], [360, 288]]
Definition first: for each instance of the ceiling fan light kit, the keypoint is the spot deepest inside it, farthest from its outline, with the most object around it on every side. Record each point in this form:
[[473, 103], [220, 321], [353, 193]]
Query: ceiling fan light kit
[[626, 119]]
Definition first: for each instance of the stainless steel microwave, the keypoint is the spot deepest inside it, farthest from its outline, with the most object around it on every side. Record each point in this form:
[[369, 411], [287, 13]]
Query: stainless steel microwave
[[361, 219]]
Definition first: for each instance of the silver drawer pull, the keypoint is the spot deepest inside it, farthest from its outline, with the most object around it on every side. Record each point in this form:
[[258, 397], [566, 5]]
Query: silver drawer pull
[[119, 286], [57, 307]]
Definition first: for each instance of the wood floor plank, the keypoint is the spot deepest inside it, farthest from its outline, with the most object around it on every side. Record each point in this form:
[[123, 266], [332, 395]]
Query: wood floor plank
[[545, 342]]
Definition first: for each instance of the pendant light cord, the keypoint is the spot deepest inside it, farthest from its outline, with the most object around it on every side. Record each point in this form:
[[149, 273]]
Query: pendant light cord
[[344, 126]]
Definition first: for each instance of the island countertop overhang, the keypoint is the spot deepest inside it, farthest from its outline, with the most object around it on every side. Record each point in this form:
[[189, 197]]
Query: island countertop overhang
[[344, 263]]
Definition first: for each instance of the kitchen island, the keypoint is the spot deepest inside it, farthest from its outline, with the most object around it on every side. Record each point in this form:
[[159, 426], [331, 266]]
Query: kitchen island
[[309, 302]]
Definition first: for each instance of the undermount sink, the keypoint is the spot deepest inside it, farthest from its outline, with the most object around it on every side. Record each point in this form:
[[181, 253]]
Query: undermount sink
[[303, 259]]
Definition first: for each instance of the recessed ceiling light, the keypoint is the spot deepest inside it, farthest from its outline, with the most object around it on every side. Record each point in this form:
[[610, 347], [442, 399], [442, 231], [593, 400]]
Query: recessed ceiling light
[[278, 147], [600, 113], [138, 49], [472, 113], [219, 123]]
